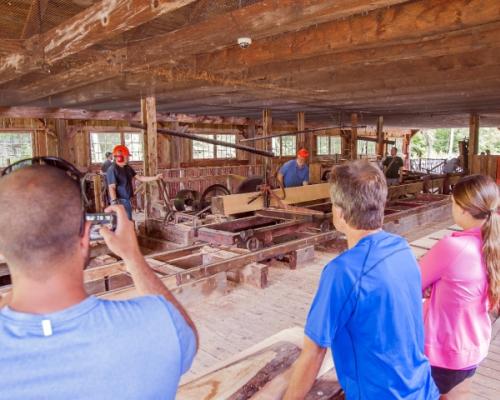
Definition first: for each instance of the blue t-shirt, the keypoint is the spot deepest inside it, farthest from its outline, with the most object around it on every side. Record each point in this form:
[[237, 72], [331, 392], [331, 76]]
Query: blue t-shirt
[[368, 309], [98, 349], [293, 175], [122, 177]]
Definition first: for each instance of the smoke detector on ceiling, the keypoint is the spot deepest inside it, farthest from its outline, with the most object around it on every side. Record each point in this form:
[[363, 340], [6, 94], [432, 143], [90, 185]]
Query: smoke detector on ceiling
[[244, 42]]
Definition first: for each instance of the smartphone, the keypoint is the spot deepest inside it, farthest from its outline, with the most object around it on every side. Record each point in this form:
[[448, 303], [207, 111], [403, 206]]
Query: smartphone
[[98, 220]]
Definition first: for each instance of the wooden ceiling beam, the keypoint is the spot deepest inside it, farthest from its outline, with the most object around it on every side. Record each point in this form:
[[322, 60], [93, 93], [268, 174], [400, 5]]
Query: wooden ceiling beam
[[95, 24], [434, 45], [456, 42], [409, 21], [106, 115], [258, 20]]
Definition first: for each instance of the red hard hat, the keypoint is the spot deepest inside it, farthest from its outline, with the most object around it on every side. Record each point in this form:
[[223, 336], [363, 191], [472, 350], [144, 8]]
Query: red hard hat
[[121, 150], [303, 153]]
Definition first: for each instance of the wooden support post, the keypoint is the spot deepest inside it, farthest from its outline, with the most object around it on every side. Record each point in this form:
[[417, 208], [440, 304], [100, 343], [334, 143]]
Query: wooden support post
[[62, 142], [473, 139], [406, 150], [380, 137], [96, 179], [301, 125], [267, 127], [148, 118], [251, 134], [354, 136]]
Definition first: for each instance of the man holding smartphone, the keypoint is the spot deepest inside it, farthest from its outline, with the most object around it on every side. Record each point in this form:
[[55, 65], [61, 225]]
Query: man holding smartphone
[[58, 342], [119, 178]]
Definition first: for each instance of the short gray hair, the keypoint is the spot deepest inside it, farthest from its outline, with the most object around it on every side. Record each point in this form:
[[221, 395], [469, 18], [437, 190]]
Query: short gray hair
[[359, 189]]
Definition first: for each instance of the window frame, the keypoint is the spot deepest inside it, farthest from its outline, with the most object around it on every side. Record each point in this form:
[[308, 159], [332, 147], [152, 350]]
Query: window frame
[[215, 150], [21, 131], [368, 145], [330, 137], [121, 130], [280, 139]]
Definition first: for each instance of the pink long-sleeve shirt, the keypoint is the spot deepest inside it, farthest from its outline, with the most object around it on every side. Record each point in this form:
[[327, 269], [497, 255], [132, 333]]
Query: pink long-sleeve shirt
[[457, 325]]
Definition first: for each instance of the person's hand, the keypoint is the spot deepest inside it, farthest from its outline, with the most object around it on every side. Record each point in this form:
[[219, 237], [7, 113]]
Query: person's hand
[[123, 241], [159, 176]]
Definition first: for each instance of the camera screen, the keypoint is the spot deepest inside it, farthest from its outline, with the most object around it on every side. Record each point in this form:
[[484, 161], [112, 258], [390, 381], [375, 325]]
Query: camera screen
[[98, 220]]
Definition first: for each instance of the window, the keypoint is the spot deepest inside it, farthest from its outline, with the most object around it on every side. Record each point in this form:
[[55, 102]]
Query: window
[[284, 145], [366, 148], [134, 142], [204, 151], [15, 146], [226, 152], [398, 145], [328, 145], [100, 143]]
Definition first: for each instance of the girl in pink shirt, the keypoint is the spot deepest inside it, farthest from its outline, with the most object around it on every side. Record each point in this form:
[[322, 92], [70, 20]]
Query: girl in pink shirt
[[463, 272]]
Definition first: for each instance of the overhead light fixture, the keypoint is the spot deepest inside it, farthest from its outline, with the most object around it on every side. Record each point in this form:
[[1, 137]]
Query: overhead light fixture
[[244, 42]]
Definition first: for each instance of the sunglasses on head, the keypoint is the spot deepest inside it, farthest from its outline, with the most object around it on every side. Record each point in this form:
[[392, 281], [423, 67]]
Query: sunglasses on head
[[59, 163], [56, 162]]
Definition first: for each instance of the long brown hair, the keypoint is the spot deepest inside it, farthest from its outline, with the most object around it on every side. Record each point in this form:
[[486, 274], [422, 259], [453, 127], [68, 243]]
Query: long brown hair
[[479, 195]]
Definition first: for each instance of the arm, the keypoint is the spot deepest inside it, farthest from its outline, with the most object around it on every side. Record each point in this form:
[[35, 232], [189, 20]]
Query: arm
[[434, 263], [330, 311], [280, 179], [112, 192], [148, 178], [305, 370], [111, 180], [123, 242]]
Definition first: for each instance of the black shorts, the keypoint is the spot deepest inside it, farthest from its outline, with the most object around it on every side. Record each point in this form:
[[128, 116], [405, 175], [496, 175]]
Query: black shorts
[[447, 379]]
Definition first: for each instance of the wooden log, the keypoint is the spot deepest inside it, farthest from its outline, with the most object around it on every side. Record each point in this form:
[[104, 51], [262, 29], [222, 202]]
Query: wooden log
[[188, 294], [96, 23], [326, 387], [254, 274], [238, 203], [260, 372], [298, 258]]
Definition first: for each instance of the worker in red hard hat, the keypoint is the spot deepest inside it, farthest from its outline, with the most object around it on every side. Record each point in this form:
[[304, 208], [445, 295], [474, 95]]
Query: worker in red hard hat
[[119, 178], [295, 172]]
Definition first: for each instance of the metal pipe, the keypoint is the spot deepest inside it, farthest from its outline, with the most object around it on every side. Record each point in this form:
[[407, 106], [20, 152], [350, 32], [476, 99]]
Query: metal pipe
[[298, 132], [205, 140]]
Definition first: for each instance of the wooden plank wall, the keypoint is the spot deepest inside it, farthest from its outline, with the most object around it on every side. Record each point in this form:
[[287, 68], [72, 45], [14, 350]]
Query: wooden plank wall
[[485, 165]]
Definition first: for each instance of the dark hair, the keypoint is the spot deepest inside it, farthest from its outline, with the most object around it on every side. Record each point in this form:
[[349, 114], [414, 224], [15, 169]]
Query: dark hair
[[479, 196], [107, 154], [359, 189], [40, 216]]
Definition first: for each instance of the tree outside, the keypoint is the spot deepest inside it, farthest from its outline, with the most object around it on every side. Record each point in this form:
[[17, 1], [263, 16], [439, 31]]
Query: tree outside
[[443, 143]]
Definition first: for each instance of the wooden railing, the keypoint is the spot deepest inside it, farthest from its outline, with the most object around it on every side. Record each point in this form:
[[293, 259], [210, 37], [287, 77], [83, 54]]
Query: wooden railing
[[428, 165]]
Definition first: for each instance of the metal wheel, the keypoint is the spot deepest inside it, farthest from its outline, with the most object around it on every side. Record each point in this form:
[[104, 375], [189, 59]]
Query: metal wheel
[[250, 184], [186, 197], [253, 244], [213, 191], [325, 226]]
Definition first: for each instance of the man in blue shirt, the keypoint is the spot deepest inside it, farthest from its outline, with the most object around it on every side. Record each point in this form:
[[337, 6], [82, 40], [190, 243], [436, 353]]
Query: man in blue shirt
[[119, 178], [56, 341], [295, 172], [368, 306]]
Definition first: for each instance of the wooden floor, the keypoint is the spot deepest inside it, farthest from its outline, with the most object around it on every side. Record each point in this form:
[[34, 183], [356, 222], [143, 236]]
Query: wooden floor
[[246, 316]]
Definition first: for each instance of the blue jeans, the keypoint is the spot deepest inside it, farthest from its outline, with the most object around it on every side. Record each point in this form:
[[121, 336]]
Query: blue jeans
[[128, 207]]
